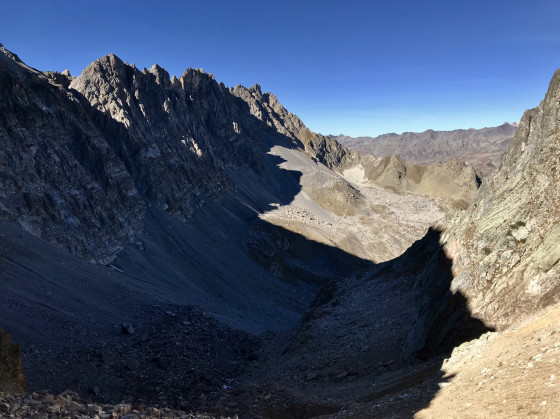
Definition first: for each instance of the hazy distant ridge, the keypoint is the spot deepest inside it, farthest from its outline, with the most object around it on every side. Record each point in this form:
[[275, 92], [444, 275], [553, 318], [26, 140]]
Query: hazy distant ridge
[[482, 148]]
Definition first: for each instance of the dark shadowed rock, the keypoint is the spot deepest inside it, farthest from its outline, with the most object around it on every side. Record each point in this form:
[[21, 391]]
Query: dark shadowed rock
[[59, 178], [127, 329], [11, 376]]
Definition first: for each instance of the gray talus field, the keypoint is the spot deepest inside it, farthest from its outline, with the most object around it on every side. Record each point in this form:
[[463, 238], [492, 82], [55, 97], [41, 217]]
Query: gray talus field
[[360, 218]]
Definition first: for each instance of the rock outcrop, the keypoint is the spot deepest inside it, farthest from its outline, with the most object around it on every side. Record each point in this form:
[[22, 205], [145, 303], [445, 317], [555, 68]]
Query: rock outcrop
[[504, 249], [11, 375], [70, 405], [59, 178]]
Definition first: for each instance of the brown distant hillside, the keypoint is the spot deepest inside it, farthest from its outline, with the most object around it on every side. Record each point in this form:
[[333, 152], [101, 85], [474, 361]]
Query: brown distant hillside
[[482, 148]]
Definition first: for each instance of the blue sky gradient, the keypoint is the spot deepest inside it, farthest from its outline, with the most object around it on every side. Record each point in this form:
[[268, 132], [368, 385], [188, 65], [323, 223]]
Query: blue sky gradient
[[352, 67]]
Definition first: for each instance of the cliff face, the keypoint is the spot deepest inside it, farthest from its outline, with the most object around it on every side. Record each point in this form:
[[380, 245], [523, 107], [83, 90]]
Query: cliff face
[[11, 376], [506, 247], [503, 251], [59, 178]]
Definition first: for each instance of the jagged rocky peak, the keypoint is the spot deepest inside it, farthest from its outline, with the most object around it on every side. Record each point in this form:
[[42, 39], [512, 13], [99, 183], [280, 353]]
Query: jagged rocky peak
[[268, 109], [196, 81], [162, 76], [10, 62], [10, 54], [184, 125], [59, 178], [64, 79]]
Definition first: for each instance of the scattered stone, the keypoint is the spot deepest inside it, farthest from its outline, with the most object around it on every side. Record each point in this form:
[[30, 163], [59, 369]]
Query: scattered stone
[[28, 407], [311, 376], [127, 329]]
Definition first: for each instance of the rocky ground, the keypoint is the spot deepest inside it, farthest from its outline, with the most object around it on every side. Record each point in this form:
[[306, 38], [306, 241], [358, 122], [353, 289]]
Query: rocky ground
[[178, 358], [351, 213], [513, 373], [346, 355], [42, 405]]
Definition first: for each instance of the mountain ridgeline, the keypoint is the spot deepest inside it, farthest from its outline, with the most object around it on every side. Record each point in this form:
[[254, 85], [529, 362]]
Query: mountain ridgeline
[[201, 248], [130, 185], [84, 156], [482, 148]]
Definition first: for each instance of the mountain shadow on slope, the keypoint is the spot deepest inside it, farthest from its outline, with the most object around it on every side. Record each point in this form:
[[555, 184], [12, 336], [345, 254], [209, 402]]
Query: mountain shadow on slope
[[67, 311], [61, 307], [371, 345]]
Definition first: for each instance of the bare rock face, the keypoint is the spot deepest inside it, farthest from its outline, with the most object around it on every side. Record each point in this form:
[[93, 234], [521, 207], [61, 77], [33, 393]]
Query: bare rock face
[[267, 108], [506, 245], [59, 179], [11, 376], [166, 132], [504, 249]]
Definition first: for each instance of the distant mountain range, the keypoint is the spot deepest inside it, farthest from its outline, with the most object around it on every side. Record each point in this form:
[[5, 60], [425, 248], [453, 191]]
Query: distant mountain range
[[482, 148]]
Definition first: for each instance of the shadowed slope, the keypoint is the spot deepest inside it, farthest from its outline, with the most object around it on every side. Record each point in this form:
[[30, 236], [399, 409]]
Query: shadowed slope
[[360, 351]]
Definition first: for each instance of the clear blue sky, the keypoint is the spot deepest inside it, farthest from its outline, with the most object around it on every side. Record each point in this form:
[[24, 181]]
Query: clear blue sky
[[352, 67]]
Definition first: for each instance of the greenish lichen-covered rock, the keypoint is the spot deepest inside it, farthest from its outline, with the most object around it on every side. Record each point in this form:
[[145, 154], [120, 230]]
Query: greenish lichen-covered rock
[[505, 247]]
